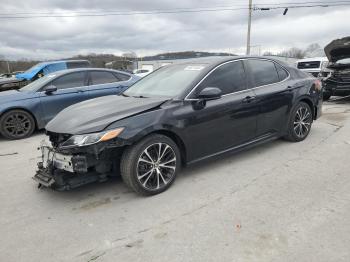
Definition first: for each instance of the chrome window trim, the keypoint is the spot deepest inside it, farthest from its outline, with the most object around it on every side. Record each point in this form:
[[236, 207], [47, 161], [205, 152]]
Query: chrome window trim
[[241, 91]]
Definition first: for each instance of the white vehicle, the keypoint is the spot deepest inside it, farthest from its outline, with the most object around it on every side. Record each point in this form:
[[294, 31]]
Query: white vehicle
[[141, 72], [314, 66]]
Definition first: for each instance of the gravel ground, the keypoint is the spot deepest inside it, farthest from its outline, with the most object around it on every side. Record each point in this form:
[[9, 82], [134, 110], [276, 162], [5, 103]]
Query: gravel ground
[[277, 202]]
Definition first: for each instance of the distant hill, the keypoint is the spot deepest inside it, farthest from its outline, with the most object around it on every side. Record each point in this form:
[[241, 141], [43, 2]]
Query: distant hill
[[123, 62]]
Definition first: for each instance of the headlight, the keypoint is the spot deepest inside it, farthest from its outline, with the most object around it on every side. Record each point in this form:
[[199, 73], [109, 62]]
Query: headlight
[[89, 139]]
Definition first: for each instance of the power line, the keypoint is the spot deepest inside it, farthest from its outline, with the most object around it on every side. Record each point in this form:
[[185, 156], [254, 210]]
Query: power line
[[174, 11], [124, 13], [171, 9], [298, 6]]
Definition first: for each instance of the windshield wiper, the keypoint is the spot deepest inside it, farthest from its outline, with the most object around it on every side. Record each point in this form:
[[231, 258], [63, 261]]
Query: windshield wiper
[[140, 96]]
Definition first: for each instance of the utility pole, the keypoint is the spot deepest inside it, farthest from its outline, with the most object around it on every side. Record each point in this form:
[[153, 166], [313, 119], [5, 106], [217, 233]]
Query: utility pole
[[8, 67], [249, 25]]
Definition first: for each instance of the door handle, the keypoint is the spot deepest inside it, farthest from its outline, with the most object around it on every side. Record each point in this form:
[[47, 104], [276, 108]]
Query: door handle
[[248, 99]]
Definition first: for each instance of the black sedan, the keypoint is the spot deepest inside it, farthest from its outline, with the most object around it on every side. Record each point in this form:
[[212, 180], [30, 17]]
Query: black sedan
[[178, 115]]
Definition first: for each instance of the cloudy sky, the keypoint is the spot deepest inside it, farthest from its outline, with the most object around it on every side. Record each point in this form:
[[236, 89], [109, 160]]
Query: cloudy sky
[[50, 38]]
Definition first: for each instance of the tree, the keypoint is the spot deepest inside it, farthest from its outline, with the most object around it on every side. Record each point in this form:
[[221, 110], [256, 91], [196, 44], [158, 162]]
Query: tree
[[129, 55], [313, 47], [293, 52], [268, 53]]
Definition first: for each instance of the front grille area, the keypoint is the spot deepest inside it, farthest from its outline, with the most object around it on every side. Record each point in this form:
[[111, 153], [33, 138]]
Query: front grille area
[[309, 65], [56, 139], [341, 76]]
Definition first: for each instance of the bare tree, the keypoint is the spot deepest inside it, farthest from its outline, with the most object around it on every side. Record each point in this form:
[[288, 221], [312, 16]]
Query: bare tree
[[268, 53], [312, 47], [293, 52]]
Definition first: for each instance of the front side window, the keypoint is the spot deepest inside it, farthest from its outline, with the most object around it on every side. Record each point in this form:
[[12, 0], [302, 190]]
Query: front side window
[[71, 80], [101, 77], [263, 72], [229, 78]]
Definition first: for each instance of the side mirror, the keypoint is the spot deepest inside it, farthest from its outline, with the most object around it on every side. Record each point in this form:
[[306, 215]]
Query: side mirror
[[210, 93], [50, 89]]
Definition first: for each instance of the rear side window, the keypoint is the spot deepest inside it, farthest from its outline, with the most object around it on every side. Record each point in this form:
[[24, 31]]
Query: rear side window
[[263, 72], [282, 73], [78, 64], [71, 80], [101, 77], [122, 77], [229, 78]]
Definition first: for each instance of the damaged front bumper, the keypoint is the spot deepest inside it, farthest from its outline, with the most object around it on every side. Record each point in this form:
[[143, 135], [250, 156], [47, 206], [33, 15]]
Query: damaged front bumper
[[64, 170]]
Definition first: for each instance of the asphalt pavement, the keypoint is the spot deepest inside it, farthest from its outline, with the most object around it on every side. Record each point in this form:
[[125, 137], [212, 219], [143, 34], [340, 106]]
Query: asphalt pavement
[[280, 201]]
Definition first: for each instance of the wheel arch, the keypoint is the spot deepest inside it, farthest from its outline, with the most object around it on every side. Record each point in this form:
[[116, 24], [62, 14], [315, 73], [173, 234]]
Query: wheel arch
[[169, 133], [308, 101]]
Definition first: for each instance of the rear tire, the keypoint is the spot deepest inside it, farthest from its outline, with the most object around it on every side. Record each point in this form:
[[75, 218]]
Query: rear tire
[[17, 124], [150, 166], [300, 123]]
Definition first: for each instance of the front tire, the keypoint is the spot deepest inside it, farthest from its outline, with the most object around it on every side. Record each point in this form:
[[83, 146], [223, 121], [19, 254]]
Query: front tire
[[150, 166], [300, 123], [17, 124]]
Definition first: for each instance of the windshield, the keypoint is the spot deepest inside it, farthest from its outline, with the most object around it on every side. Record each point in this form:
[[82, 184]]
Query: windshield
[[37, 84], [169, 81], [33, 68]]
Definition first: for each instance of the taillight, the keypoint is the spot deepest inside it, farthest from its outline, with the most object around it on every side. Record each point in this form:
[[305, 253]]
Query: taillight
[[318, 85]]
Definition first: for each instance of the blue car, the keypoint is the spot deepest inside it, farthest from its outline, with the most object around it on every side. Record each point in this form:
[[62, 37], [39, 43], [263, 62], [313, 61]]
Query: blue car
[[40, 70], [33, 106]]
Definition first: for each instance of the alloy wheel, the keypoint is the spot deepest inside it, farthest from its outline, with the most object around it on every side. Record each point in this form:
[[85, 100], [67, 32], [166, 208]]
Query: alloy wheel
[[156, 166], [302, 122], [17, 125]]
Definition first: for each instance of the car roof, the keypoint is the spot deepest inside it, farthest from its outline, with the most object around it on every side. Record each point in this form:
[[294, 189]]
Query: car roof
[[66, 71], [62, 61], [217, 60]]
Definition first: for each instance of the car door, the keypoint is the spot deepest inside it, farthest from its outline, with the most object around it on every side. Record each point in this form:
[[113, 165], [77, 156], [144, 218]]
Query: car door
[[70, 90], [103, 83], [220, 124], [273, 94]]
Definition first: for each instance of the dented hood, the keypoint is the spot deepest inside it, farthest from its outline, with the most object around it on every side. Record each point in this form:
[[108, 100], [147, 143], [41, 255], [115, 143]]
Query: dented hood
[[96, 114], [338, 49]]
